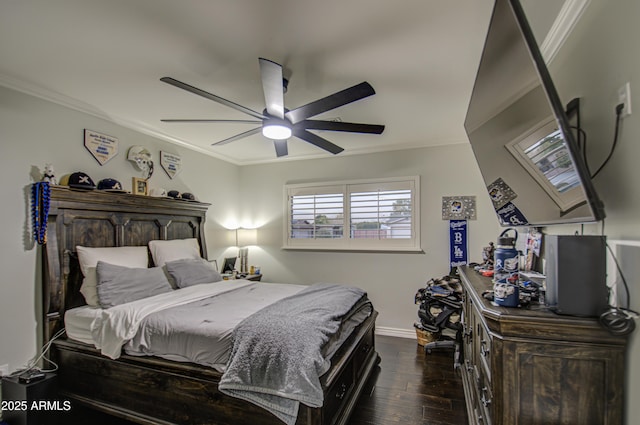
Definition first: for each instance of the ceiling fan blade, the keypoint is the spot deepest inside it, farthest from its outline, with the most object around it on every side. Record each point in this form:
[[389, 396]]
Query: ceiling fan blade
[[281, 148], [238, 136], [357, 92], [317, 140], [271, 74], [207, 95], [206, 121], [340, 126]]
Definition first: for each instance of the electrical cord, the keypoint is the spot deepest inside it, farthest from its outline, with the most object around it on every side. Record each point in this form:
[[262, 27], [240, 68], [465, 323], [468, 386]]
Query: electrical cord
[[618, 320], [32, 365], [619, 109]]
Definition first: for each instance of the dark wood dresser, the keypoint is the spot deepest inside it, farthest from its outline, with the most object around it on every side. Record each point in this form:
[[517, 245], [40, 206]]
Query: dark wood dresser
[[531, 366]]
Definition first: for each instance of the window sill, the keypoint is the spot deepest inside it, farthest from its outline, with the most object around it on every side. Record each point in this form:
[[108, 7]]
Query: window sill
[[395, 250]]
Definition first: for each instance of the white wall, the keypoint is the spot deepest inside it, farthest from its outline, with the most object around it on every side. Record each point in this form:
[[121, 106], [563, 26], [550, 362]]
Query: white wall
[[391, 279], [600, 55], [33, 132]]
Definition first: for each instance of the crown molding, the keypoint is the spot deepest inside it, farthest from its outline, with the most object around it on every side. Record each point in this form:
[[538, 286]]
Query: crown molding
[[569, 15]]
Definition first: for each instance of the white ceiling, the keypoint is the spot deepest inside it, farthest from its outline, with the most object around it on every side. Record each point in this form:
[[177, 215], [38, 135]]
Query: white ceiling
[[106, 57]]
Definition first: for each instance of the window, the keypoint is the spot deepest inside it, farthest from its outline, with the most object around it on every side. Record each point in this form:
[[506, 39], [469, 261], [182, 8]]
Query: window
[[544, 154], [359, 215]]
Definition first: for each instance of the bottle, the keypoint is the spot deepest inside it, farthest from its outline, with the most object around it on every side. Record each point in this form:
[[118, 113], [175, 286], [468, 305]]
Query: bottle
[[505, 257], [506, 291]]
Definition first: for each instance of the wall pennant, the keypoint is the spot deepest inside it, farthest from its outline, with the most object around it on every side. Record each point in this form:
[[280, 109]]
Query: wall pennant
[[101, 146], [171, 163], [458, 249]]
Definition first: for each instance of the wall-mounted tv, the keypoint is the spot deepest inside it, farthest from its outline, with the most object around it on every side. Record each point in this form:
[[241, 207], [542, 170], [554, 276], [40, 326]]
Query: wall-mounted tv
[[520, 134]]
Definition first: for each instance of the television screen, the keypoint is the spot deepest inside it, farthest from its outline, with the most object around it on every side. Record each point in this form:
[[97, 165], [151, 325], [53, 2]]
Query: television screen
[[520, 133]]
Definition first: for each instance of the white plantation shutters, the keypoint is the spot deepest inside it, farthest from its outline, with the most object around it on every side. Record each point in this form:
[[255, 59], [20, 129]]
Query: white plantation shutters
[[358, 215]]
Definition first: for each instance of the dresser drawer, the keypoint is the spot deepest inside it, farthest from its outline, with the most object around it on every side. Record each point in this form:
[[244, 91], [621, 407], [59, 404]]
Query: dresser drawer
[[483, 396], [484, 348]]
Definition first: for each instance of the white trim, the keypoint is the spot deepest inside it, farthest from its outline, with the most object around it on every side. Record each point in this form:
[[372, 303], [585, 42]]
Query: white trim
[[566, 20], [396, 332], [345, 242]]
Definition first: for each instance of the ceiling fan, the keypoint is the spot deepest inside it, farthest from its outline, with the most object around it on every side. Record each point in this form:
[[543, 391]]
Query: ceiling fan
[[279, 123]]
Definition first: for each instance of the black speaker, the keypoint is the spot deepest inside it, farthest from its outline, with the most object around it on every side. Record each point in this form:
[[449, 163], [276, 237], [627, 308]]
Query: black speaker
[[576, 269]]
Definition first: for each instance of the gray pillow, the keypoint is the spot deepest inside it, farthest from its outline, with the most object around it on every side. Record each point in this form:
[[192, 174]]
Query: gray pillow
[[192, 271], [118, 285]]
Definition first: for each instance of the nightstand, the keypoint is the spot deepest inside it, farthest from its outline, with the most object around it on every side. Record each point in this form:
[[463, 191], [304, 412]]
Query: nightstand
[[31, 403], [254, 277]]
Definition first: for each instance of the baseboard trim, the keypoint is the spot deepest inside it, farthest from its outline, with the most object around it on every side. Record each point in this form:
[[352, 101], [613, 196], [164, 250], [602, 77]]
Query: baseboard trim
[[397, 332]]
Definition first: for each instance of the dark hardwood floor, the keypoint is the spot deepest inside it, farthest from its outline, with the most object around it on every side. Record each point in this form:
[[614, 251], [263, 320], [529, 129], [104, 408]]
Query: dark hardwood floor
[[412, 387], [409, 388]]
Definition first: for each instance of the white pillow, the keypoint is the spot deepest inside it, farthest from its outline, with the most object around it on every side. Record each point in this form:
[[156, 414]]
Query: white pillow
[[177, 249], [126, 256]]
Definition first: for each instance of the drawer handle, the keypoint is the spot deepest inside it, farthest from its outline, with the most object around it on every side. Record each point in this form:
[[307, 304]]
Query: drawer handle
[[485, 401], [479, 418], [343, 391], [467, 333], [483, 348], [366, 348]]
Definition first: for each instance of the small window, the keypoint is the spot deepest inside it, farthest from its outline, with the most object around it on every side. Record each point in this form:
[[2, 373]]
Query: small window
[[359, 215], [544, 154]]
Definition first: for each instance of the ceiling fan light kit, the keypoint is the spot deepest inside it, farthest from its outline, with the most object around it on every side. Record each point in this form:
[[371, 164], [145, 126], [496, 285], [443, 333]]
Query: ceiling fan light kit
[[276, 129], [278, 123]]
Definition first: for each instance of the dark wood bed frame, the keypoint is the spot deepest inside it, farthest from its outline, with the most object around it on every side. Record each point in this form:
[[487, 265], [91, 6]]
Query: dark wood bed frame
[[150, 390]]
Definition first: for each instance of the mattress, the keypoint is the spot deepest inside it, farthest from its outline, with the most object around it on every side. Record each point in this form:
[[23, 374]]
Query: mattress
[[199, 331], [79, 323]]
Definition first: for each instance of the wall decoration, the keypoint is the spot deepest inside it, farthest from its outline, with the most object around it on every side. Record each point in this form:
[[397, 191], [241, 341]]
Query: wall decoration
[[500, 193], [139, 186], [458, 207], [171, 162], [458, 250], [101, 146], [141, 159]]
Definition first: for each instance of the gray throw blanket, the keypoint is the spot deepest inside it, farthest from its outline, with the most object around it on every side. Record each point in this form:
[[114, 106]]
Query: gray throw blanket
[[276, 361]]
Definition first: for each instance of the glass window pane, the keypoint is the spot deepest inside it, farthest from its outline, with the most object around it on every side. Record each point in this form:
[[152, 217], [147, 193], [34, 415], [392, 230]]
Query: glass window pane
[[381, 214], [317, 216]]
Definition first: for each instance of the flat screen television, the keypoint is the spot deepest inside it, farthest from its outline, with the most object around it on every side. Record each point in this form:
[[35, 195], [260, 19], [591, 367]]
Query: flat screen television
[[520, 134]]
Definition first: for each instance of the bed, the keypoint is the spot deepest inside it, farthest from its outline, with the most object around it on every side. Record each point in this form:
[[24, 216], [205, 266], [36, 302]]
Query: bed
[[148, 389]]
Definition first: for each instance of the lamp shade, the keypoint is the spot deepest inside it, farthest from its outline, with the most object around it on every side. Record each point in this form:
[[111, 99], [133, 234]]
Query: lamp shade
[[246, 237]]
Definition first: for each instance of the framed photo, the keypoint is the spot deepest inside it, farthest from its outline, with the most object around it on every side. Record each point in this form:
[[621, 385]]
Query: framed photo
[[139, 186]]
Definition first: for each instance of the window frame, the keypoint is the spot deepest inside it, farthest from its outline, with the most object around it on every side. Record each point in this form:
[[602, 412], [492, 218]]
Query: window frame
[[518, 147], [345, 242]]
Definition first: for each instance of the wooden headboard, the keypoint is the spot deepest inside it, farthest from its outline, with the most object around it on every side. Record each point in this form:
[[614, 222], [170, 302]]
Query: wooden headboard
[[104, 219]]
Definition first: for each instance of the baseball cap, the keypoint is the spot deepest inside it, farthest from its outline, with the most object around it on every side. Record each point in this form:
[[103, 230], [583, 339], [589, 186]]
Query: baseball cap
[[80, 180], [110, 185]]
